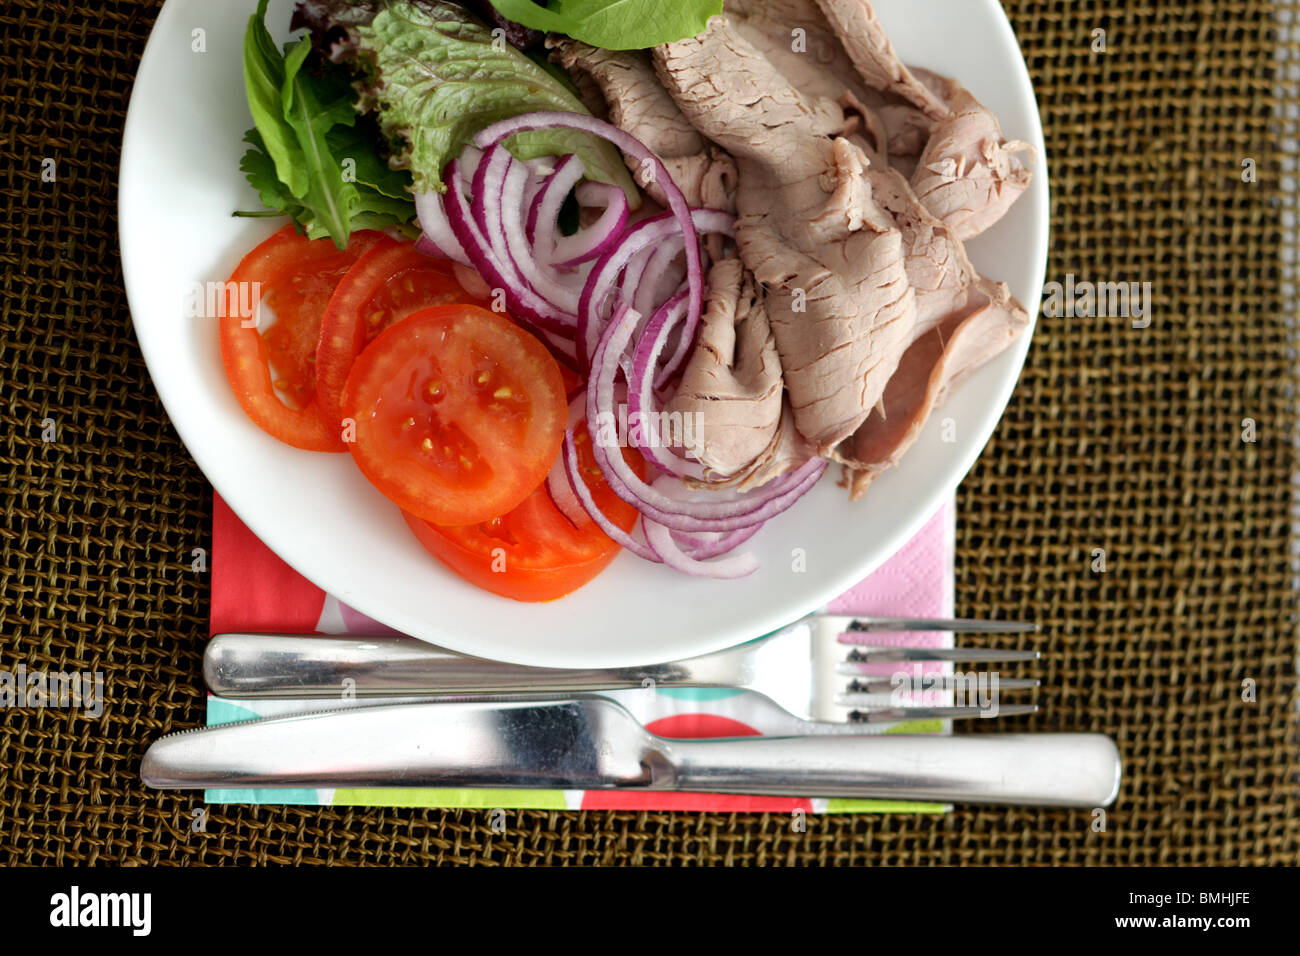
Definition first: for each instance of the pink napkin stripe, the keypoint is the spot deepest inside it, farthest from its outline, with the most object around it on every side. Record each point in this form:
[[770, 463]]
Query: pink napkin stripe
[[252, 589]]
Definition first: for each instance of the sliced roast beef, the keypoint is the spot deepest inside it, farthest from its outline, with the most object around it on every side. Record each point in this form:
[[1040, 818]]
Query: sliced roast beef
[[830, 258], [787, 451], [938, 268], [621, 86], [968, 174], [867, 45], [931, 367], [795, 36], [732, 382], [895, 133], [874, 308]]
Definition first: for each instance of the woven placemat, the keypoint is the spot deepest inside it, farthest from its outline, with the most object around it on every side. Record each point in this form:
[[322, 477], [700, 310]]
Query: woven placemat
[[1119, 439]]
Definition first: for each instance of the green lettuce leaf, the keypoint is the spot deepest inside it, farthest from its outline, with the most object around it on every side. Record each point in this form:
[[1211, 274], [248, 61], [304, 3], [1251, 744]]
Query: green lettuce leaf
[[615, 24], [437, 77], [309, 159]]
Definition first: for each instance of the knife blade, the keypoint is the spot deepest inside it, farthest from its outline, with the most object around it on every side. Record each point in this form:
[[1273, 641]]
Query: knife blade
[[593, 743]]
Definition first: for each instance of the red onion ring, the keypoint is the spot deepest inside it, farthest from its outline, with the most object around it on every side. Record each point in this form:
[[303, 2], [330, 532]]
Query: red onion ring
[[639, 237], [580, 488], [525, 303], [520, 252], [696, 547], [737, 512], [640, 388], [596, 239], [436, 230], [557, 480], [661, 540], [646, 158], [545, 208]]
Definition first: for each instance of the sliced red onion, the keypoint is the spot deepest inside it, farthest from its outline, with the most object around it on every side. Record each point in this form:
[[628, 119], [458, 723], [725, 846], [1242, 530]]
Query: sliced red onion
[[563, 496], [640, 238], [436, 229], [710, 220], [604, 275], [598, 238], [642, 156], [557, 481], [520, 252], [471, 281], [643, 235], [629, 281], [700, 546], [580, 488], [531, 192], [661, 540], [544, 211], [485, 190], [592, 193], [730, 512], [658, 280], [525, 303], [640, 389], [470, 157]]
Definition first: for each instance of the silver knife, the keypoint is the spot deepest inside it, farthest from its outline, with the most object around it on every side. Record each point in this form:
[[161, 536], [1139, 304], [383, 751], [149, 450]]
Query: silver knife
[[593, 743]]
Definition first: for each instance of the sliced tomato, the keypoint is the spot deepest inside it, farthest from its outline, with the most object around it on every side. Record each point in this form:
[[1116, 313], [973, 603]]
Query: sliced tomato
[[385, 285], [458, 413], [535, 553], [294, 277]]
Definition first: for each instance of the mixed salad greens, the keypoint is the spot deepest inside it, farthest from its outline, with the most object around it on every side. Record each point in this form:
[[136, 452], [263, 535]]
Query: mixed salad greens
[[314, 157], [368, 108]]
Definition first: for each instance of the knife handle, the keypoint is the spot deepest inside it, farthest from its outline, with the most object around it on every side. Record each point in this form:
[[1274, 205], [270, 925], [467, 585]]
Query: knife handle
[[1065, 770]]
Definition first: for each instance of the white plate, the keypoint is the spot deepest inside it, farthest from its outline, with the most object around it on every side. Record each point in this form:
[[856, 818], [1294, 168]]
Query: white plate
[[180, 180]]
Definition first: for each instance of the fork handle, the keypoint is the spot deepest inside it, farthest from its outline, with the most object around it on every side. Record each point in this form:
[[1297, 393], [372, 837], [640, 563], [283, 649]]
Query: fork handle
[[1064, 770], [294, 665]]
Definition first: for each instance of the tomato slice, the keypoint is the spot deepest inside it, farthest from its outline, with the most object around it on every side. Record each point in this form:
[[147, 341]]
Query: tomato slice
[[535, 553], [458, 413], [295, 278], [385, 285]]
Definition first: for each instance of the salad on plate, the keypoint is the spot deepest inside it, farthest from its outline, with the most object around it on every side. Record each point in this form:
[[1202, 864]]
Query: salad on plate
[[572, 279]]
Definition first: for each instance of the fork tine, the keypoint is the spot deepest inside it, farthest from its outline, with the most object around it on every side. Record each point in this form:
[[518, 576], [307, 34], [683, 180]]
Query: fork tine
[[876, 625], [937, 682], [884, 715], [873, 653]]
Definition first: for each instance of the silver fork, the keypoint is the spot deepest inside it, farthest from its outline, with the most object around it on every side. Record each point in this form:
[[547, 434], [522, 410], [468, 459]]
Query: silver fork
[[812, 669]]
